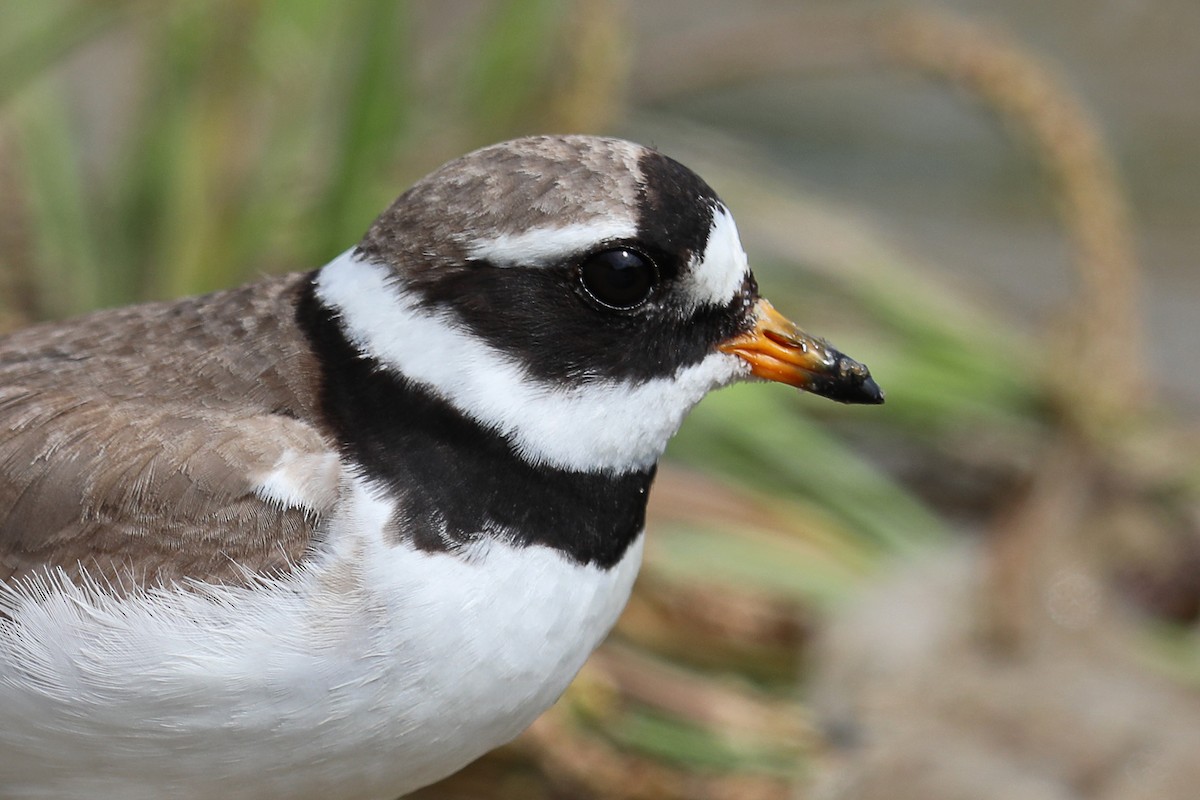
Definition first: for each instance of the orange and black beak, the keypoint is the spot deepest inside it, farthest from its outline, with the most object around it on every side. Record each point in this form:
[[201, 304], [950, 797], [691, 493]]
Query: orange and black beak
[[778, 350]]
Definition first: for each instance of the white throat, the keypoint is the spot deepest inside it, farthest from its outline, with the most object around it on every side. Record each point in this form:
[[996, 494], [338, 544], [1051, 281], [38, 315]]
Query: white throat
[[615, 426]]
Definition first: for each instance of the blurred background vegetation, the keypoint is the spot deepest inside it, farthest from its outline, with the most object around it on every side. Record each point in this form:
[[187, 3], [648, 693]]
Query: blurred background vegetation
[[989, 587]]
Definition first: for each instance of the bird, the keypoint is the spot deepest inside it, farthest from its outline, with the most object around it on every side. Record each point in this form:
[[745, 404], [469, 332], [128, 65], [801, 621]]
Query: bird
[[338, 533]]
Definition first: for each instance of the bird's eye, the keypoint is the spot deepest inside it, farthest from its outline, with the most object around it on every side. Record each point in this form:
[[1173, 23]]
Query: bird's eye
[[620, 279]]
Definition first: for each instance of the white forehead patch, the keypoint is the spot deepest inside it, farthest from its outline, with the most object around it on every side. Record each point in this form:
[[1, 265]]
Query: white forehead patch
[[546, 246], [717, 276], [602, 425]]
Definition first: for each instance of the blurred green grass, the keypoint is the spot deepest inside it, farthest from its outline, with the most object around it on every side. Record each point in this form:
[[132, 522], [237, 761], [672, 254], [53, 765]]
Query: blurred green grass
[[247, 136]]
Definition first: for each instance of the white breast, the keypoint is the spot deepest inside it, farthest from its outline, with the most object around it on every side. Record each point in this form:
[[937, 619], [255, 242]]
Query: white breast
[[373, 671]]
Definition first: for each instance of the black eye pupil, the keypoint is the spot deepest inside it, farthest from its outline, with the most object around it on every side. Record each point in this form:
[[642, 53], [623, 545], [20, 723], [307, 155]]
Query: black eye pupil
[[620, 278]]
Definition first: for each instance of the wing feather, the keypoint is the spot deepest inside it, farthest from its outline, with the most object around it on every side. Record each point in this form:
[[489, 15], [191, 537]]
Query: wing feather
[[159, 492]]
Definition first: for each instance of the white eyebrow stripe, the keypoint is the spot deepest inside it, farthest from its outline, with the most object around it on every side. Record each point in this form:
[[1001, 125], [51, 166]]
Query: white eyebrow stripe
[[717, 275], [540, 247]]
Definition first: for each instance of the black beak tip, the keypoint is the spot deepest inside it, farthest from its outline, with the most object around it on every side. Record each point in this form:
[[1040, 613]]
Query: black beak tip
[[851, 383], [869, 393]]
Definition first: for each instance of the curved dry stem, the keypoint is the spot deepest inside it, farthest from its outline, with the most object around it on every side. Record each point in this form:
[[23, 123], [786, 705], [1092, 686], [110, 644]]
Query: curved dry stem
[[1098, 373]]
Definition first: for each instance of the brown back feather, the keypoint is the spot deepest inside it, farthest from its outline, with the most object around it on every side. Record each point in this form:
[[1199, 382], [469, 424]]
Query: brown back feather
[[131, 441]]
